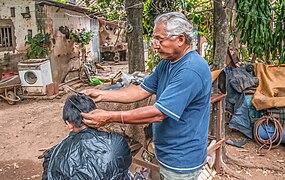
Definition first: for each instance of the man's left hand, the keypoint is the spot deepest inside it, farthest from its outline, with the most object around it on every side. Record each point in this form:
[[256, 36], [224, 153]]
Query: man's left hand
[[96, 118]]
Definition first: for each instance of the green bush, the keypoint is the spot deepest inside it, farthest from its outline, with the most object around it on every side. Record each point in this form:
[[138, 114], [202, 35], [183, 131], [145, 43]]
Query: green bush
[[39, 46]]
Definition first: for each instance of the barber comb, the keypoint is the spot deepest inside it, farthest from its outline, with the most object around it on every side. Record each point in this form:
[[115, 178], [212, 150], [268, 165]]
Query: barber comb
[[73, 90], [76, 106]]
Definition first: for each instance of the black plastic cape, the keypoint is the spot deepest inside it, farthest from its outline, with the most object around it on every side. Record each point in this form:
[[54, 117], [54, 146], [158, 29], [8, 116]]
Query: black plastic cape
[[88, 154]]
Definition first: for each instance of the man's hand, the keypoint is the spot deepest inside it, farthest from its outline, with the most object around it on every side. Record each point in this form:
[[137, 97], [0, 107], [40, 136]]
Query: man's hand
[[96, 118], [95, 94]]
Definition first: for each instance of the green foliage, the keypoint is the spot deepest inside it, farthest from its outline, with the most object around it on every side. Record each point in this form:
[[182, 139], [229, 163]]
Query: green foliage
[[209, 53], [279, 34], [244, 54], [153, 60], [39, 46], [111, 9], [60, 1], [152, 8], [202, 20], [81, 37], [254, 26], [256, 22]]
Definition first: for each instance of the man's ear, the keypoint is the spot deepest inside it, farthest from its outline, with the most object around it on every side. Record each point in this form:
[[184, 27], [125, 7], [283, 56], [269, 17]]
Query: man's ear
[[69, 125], [181, 40]]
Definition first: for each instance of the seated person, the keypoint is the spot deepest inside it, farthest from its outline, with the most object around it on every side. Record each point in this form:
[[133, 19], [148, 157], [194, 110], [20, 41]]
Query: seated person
[[86, 153]]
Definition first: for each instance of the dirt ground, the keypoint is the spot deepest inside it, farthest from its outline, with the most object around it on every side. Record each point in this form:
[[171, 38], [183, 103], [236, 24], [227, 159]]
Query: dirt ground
[[31, 126]]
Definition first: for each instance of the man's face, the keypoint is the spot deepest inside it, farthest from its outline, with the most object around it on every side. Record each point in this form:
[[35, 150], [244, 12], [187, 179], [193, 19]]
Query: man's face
[[167, 46]]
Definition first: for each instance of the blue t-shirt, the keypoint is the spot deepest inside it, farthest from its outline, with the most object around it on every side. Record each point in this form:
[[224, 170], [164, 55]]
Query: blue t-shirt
[[183, 91]]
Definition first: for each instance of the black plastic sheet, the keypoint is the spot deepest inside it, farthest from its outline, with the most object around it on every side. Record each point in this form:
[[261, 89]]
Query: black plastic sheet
[[89, 154]]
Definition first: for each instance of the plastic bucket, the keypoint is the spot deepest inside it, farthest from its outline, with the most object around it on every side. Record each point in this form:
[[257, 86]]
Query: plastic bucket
[[270, 129]]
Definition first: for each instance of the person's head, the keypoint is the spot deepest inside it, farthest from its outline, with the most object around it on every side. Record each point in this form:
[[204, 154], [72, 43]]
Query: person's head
[[73, 106], [173, 35]]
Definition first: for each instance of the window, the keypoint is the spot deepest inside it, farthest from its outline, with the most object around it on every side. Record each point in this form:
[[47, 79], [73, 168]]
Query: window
[[12, 9], [27, 10], [6, 37], [30, 33], [7, 40]]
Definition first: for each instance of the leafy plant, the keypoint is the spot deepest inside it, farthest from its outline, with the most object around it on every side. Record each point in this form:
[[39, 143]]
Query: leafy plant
[[244, 54], [153, 59], [254, 27], [81, 37], [111, 9], [39, 46], [279, 34], [261, 24], [61, 1]]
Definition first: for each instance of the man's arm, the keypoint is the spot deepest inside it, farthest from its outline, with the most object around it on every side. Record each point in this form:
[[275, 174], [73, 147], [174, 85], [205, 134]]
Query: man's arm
[[140, 115], [125, 95]]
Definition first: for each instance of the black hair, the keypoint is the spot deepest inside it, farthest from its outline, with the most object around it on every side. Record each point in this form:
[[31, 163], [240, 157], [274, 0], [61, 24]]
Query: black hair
[[74, 105]]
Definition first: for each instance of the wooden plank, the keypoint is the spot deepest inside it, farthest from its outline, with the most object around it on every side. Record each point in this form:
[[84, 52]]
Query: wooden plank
[[215, 146], [135, 147], [217, 97], [137, 159], [219, 125], [149, 165]]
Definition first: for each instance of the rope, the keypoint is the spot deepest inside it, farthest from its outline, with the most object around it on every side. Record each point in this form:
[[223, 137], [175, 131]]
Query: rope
[[273, 140]]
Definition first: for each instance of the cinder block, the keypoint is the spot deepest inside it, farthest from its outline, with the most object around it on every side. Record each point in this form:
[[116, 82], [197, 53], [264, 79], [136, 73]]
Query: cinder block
[[50, 89]]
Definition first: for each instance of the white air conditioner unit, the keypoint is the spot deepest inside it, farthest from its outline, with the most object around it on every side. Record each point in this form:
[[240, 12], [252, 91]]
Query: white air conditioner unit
[[34, 76]]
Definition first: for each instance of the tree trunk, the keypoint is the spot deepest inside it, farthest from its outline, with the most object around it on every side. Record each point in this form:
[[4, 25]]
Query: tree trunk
[[234, 46], [220, 35], [134, 9], [220, 53]]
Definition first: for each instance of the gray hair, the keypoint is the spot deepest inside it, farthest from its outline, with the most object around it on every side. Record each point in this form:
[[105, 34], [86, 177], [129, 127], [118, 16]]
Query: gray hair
[[176, 23]]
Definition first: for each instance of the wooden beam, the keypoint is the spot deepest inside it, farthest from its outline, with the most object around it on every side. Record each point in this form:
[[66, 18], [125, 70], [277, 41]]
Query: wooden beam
[[215, 146], [149, 165], [219, 133], [217, 97]]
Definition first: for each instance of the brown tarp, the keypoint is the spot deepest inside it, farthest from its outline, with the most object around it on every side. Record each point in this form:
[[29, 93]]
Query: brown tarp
[[215, 74], [271, 90], [220, 76]]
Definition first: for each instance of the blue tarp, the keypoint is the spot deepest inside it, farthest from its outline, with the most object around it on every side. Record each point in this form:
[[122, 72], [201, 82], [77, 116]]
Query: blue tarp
[[244, 117]]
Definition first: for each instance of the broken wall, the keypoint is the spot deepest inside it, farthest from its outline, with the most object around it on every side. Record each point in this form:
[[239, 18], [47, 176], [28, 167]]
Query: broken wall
[[32, 17], [65, 56], [21, 26]]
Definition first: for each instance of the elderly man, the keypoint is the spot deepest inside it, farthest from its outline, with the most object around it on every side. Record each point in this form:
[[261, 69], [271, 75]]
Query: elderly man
[[182, 85]]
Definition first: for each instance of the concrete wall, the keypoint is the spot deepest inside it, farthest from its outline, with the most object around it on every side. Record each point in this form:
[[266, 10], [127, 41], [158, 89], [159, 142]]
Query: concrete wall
[[21, 27], [64, 53]]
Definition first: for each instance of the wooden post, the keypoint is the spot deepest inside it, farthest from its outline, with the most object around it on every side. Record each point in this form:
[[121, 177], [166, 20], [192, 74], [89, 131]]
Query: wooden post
[[219, 125]]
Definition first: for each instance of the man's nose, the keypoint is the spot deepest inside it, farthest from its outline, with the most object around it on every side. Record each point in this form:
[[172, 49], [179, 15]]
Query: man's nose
[[155, 46]]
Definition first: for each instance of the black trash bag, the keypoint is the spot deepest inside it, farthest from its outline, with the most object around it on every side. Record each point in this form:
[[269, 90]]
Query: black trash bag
[[46, 155], [89, 154]]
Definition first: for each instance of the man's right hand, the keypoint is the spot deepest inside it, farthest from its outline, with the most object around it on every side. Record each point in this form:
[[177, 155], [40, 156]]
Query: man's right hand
[[95, 94]]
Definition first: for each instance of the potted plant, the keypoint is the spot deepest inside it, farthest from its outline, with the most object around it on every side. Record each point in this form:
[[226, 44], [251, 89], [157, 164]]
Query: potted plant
[[39, 46], [35, 72]]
